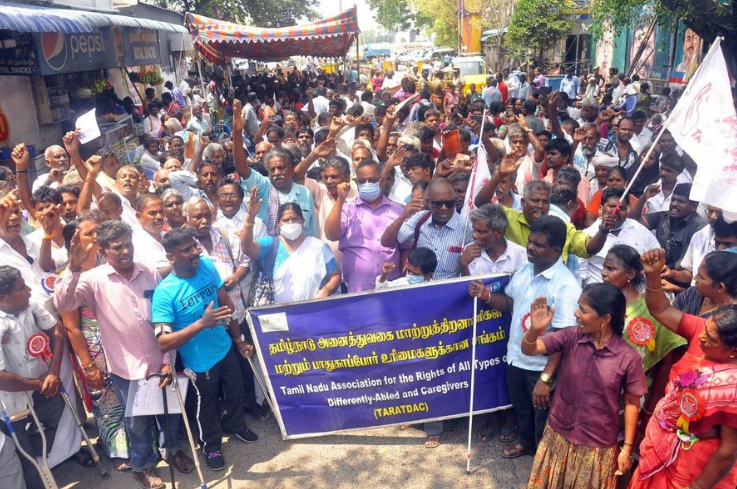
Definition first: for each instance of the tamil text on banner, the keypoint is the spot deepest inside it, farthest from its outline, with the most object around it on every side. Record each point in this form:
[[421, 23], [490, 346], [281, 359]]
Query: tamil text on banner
[[390, 356], [704, 125]]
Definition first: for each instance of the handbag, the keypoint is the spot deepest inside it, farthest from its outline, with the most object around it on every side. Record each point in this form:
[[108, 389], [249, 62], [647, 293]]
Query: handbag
[[263, 294]]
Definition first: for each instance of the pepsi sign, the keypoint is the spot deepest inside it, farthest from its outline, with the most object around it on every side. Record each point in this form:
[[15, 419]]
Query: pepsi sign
[[67, 53]]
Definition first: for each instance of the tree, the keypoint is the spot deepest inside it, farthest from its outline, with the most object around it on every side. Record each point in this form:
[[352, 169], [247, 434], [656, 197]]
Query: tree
[[261, 13], [536, 25], [392, 15], [441, 18], [707, 18]]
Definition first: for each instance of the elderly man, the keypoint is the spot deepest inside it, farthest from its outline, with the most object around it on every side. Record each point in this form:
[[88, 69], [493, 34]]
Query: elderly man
[[276, 189], [197, 123], [147, 235], [57, 161], [490, 251], [535, 204]]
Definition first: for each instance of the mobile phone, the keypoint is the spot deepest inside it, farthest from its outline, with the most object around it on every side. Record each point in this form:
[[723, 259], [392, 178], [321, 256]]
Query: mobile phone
[[477, 118]]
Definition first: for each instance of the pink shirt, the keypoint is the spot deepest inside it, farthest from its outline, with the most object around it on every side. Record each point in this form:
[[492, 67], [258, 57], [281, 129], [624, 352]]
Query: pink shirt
[[123, 313]]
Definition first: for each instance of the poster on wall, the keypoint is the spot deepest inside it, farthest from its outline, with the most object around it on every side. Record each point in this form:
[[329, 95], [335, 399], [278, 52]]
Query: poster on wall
[[141, 47], [689, 48]]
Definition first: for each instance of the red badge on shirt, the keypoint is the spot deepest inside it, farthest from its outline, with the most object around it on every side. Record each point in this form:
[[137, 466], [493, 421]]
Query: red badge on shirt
[[38, 346], [527, 322], [641, 331]]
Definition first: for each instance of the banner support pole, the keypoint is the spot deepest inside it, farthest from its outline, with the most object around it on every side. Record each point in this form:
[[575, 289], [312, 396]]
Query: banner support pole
[[473, 382]]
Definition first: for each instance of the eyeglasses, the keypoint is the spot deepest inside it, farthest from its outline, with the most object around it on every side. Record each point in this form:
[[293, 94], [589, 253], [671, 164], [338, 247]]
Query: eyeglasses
[[439, 204]]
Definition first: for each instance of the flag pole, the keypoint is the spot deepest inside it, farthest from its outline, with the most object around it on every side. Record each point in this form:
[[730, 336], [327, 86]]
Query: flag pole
[[473, 379], [657, 138], [471, 181]]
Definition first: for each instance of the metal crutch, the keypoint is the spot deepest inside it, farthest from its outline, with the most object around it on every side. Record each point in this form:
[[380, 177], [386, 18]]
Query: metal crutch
[[43, 470], [167, 440], [95, 456], [195, 453]]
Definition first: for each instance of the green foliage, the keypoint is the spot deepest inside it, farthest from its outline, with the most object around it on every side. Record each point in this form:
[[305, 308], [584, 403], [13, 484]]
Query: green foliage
[[440, 18], [260, 13], [392, 15], [536, 25]]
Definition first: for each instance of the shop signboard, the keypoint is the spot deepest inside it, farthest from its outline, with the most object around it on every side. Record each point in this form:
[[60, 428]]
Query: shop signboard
[[141, 47], [17, 55], [68, 53]]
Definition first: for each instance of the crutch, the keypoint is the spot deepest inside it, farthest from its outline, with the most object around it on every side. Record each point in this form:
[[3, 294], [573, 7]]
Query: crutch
[[95, 456], [260, 384], [43, 470], [167, 440], [195, 453]]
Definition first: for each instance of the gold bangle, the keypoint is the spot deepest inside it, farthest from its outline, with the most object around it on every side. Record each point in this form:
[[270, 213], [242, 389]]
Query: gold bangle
[[653, 290], [524, 338], [49, 236], [628, 455], [248, 223]]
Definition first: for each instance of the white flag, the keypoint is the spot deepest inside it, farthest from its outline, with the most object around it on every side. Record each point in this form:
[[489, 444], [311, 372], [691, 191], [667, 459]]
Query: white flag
[[704, 125], [479, 177]]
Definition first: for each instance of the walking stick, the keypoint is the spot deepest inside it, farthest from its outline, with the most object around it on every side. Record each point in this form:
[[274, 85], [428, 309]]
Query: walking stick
[[167, 440], [43, 470], [37, 346], [195, 455]]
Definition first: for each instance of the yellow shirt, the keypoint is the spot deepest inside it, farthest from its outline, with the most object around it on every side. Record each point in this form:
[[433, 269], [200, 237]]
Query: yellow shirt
[[518, 231]]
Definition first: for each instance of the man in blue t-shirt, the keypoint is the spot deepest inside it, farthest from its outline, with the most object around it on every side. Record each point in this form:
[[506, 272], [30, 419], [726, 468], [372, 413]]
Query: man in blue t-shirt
[[190, 310]]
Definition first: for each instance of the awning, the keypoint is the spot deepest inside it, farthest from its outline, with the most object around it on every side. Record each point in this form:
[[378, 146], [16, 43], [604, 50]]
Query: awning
[[219, 41], [30, 18], [492, 33]]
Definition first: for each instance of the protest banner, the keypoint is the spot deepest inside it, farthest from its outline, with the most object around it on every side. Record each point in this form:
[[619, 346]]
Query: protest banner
[[379, 358]]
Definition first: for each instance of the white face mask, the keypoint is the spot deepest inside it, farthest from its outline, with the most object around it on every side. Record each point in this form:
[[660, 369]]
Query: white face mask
[[291, 231]]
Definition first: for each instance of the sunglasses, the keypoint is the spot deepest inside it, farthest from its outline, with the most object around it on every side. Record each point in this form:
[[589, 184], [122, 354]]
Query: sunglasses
[[439, 204]]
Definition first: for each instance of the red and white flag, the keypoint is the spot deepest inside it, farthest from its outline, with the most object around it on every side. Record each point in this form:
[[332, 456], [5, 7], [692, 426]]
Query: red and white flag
[[704, 125]]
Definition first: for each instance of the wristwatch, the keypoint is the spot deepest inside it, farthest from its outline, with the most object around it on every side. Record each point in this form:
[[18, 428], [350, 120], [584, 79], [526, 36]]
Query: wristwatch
[[546, 378], [240, 339]]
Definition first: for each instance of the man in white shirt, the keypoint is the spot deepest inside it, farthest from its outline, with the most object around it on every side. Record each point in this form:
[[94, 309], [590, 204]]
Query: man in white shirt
[[490, 251], [643, 135], [512, 82], [57, 161], [147, 236], [316, 105], [626, 231]]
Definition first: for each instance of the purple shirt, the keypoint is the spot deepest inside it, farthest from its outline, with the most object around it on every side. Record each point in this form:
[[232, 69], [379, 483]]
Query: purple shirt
[[123, 314], [361, 228], [590, 384]]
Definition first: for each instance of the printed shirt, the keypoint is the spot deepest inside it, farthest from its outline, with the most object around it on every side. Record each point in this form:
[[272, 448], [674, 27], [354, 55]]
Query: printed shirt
[[226, 266], [446, 241], [182, 301], [123, 313], [585, 409], [14, 357], [558, 285], [508, 262], [361, 228]]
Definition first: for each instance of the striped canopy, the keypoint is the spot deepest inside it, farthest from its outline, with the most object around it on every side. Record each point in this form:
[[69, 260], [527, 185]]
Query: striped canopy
[[219, 41], [32, 18]]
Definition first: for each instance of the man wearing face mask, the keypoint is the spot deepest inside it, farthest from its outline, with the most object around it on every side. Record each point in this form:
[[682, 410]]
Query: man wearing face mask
[[358, 225]]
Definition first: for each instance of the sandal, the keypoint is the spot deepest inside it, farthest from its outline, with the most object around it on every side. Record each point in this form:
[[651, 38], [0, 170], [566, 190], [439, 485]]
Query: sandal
[[489, 432], [432, 442], [509, 435], [84, 457], [182, 463], [516, 450], [405, 427]]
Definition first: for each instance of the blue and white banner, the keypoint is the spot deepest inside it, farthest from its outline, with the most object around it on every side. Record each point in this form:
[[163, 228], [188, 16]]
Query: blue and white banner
[[384, 357]]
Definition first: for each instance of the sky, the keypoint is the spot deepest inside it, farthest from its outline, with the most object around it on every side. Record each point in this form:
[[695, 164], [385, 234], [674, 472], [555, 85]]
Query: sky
[[365, 14]]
